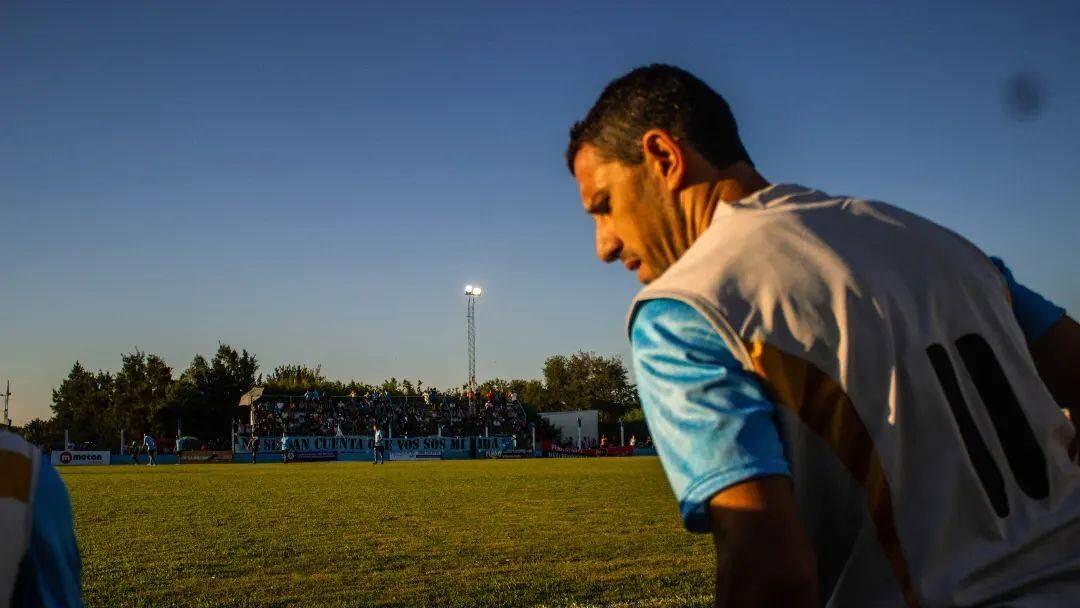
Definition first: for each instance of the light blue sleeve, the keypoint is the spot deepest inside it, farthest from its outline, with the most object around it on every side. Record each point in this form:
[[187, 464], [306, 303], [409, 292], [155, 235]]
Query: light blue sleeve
[[1034, 313], [51, 572], [712, 424]]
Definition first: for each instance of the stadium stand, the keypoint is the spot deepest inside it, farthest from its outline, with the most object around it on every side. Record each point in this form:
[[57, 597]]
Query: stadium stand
[[427, 415]]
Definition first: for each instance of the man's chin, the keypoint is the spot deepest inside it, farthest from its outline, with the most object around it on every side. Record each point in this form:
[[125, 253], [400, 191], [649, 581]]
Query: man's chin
[[644, 275]]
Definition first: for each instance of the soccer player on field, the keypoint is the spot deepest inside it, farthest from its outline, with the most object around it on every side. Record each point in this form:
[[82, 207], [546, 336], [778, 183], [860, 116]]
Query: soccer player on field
[[151, 448], [377, 445], [858, 404], [39, 560], [253, 447]]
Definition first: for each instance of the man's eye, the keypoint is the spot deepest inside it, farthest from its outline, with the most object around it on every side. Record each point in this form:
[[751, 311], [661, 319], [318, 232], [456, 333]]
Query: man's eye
[[601, 206]]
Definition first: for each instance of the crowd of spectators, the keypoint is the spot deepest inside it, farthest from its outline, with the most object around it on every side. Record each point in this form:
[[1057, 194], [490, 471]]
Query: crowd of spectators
[[428, 414]]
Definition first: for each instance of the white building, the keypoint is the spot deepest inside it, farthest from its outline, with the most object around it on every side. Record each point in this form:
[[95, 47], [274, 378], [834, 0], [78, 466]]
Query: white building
[[569, 423]]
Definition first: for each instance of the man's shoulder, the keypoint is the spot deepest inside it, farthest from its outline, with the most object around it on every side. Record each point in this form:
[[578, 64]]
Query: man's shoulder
[[788, 239], [52, 569], [669, 317], [665, 325], [10, 442], [22, 464], [743, 236]]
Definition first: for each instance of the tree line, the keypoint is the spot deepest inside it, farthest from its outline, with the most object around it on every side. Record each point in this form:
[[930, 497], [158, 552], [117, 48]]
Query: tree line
[[145, 396]]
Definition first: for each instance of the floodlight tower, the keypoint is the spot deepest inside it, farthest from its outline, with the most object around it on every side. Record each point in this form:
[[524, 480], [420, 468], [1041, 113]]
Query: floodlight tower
[[7, 394], [472, 294]]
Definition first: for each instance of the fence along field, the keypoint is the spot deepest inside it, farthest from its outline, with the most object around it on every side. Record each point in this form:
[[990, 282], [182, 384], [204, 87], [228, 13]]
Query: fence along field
[[575, 532]]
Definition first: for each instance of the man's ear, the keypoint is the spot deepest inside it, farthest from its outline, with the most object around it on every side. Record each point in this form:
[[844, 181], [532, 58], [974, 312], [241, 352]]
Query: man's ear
[[664, 157]]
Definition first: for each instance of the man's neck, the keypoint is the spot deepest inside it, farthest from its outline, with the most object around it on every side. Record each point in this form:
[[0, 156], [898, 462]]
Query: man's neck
[[728, 186]]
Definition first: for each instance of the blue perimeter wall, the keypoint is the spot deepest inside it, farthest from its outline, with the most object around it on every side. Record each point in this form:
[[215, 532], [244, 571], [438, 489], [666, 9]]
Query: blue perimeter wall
[[359, 456]]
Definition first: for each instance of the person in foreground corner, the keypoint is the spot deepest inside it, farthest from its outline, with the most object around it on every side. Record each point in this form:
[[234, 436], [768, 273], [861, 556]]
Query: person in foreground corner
[[861, 406], [39, 559]]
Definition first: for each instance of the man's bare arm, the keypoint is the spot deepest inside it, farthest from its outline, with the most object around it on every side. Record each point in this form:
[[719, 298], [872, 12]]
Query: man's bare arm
[[763, 557], [1057, 357]]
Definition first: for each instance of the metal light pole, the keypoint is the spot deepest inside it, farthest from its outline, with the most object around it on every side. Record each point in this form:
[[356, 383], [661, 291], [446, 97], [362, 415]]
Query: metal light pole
[[7, 393], [472, 294]]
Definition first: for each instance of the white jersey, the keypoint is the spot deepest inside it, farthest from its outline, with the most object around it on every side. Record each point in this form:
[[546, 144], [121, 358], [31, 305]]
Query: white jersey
[[19, 463], [930, 463]]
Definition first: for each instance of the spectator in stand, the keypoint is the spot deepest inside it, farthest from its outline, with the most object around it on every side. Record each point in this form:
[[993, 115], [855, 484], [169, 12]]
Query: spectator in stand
[[151, 448], [412, 416]]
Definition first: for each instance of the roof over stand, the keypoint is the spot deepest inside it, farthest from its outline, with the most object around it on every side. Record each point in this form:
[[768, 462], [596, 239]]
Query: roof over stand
[[250, 397]]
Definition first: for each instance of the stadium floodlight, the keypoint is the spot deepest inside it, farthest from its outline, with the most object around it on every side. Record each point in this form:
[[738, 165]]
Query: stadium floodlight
[[472, 293]]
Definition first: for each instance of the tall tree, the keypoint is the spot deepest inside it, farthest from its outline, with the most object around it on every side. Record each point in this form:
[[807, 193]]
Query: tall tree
[[295, 378], [392, 386], [588, 381], [42, 433], [81, 404], [141, 391], [205, 398]]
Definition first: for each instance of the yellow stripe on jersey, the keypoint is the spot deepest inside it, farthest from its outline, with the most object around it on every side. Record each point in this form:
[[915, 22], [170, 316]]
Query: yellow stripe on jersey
[[16, 471], [824, 407]]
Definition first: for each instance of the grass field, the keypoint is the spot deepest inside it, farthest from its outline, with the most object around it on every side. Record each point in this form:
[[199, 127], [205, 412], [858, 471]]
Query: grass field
[[583, 532]]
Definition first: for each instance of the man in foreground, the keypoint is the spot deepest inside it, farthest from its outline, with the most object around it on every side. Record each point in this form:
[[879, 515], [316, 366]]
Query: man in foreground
[[39, 560], [860, 405]]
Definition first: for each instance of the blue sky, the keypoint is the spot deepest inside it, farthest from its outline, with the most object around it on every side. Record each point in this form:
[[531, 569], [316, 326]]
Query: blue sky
[[316, 182]]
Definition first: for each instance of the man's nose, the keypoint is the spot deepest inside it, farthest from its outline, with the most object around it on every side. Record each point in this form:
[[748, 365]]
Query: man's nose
[[608, 246]]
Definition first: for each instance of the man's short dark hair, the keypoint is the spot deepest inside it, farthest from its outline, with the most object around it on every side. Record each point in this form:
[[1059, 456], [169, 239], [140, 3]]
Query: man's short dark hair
[[658, 97]]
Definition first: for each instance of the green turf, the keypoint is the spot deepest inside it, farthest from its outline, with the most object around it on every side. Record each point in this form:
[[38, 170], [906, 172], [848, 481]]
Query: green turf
[[573, 532]]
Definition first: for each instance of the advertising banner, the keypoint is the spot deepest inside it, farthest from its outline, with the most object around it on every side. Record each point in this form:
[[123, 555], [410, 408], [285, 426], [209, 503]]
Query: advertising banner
[[365, 443], [425, 444], [417, 455], [616, 450], [516, 454], [79, 457], [204, 456], [315, 456], [553, 451]]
